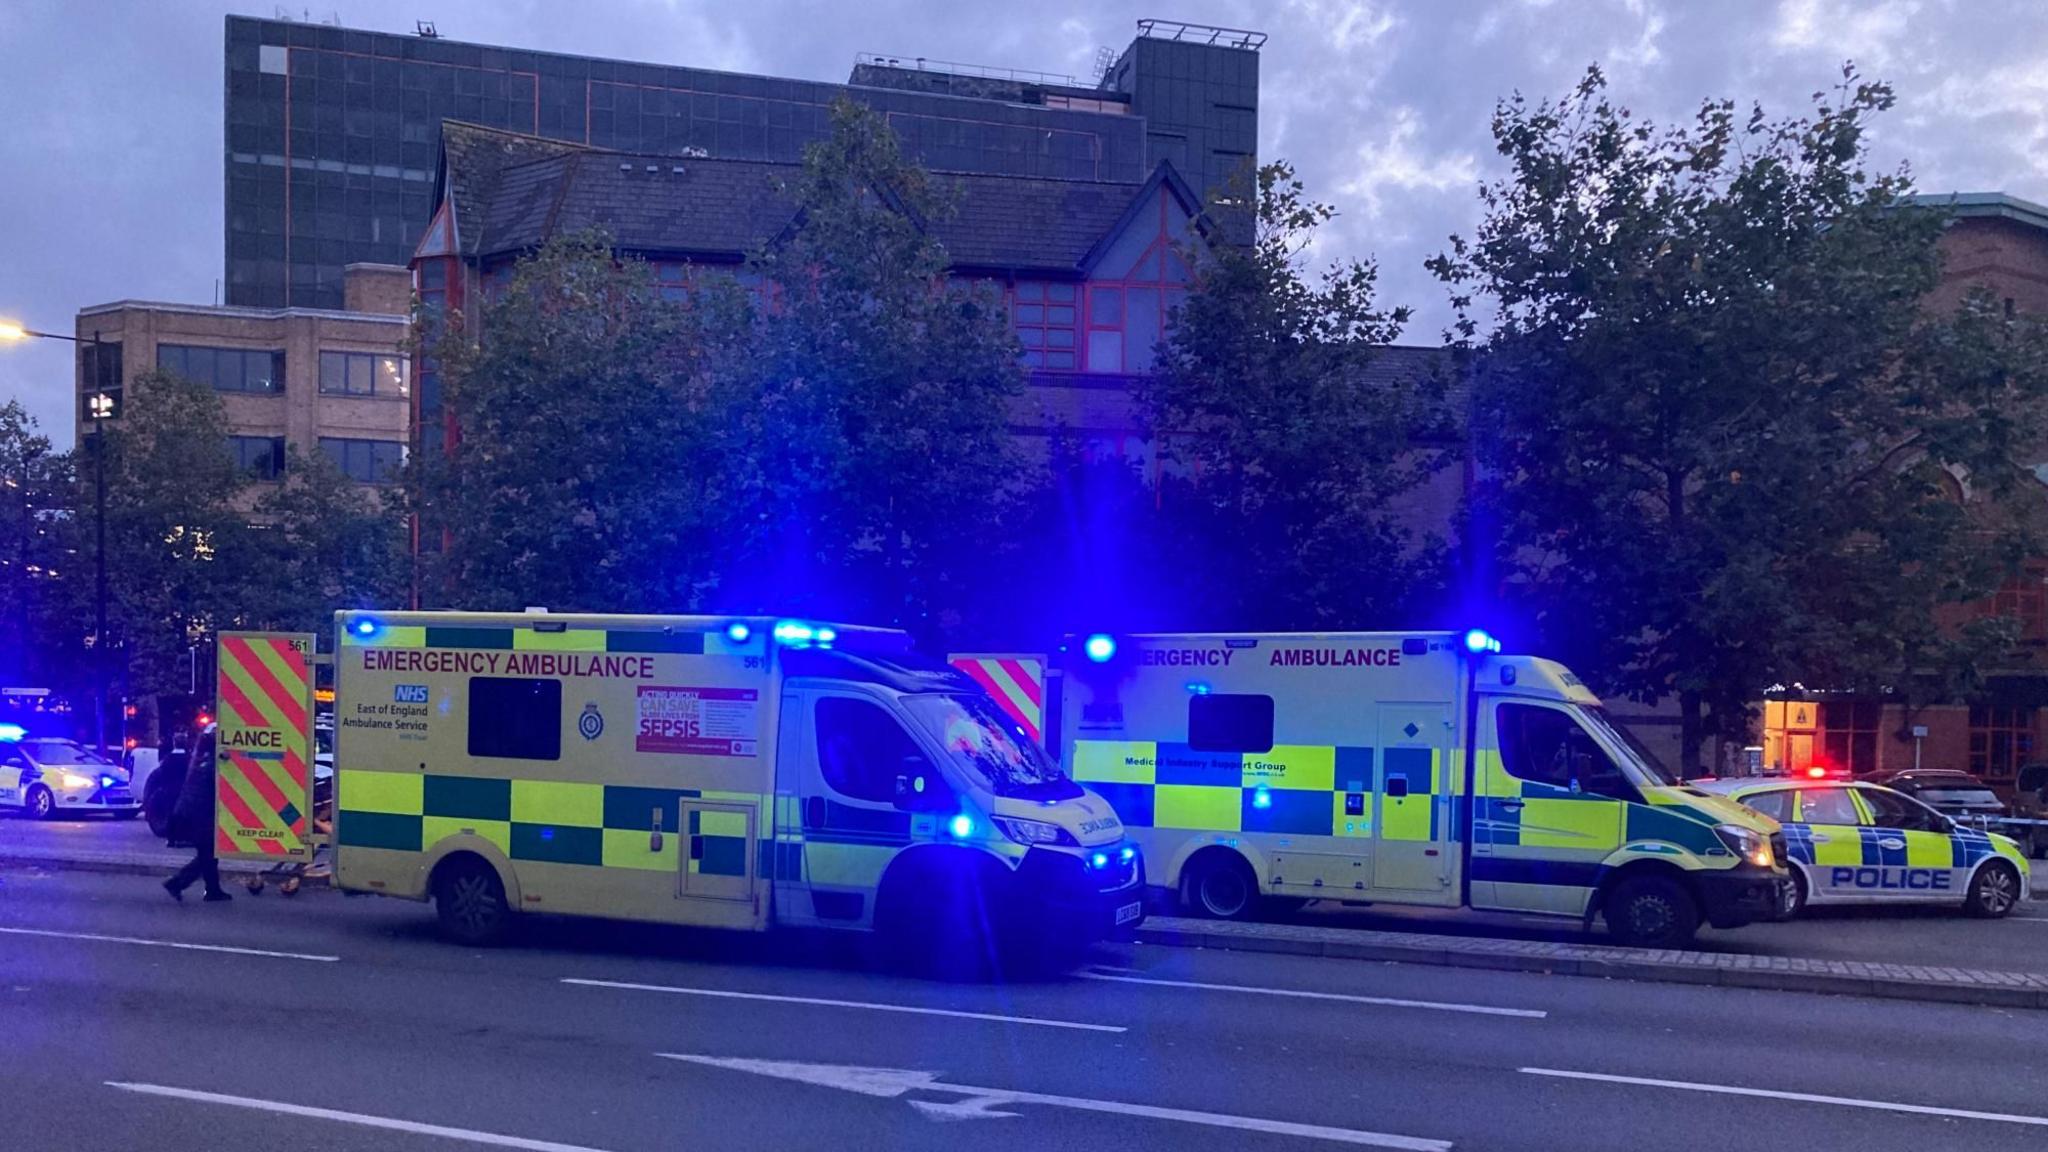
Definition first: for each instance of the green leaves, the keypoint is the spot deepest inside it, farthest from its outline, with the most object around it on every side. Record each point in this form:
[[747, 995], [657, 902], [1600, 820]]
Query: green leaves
[[1721, 432]]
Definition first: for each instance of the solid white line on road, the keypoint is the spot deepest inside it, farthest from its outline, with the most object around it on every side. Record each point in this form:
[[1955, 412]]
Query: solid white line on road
[[98, 939], [1380, 1001], [893, 1083], [819, 1002], [355, 1118], [1800, 1097]]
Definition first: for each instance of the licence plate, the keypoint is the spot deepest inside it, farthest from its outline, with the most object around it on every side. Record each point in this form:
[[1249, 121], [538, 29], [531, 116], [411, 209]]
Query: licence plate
[[1129, 913]]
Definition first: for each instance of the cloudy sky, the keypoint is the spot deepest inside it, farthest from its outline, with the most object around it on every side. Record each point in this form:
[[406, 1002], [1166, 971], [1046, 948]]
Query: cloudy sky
[[111, 167]]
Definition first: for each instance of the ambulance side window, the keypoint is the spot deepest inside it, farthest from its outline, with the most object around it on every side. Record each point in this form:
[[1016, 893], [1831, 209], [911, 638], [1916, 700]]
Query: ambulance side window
[[1230, 723], [1546, 746], [1777, 805], [515, 719], [862, 750]]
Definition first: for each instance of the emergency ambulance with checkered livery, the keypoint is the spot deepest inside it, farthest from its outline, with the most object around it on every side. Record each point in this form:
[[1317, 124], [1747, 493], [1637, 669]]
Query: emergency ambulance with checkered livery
[[1400, 768], [706, 771]]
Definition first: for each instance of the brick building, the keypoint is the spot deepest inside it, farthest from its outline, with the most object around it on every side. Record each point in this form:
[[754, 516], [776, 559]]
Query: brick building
[[1997, 244], [328, 381]]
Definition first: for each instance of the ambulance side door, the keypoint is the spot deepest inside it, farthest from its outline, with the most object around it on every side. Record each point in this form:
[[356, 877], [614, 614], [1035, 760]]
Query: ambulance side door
[[854, 777], [1548, 810], [1412, 829]]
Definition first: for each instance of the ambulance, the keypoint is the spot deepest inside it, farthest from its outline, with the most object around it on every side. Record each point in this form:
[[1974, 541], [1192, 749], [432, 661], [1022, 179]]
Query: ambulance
[[729, 773], [1401, 768]]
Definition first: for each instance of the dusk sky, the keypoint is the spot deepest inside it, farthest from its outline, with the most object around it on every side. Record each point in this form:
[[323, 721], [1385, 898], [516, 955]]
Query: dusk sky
[[112, 148]]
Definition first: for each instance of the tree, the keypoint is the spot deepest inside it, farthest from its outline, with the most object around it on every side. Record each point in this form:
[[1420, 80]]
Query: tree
[[1298, 454], [581, 471], [864, 410], [1721, 435], [176, 541], [36, 482], [324, 543]]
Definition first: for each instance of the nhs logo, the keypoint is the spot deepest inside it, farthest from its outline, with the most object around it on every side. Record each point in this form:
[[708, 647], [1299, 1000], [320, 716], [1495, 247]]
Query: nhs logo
[[409, 694]]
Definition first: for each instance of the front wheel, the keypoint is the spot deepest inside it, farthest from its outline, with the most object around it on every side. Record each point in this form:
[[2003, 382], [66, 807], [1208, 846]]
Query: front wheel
[[1994, 891], [1652, 912], [39, 804], [1220, 886], [471, 902], [1792, 898]]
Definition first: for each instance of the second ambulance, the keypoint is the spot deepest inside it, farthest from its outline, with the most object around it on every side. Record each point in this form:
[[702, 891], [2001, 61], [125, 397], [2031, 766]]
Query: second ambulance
[[1401, 768]]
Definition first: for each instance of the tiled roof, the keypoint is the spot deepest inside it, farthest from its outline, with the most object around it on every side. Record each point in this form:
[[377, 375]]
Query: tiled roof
[[514, 192]]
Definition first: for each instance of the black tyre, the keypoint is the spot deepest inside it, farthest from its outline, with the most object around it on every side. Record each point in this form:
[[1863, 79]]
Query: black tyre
[[1652, 912], [1219, 885], [1993, 891], [128, 814], [939, 922], [471, 902], [1792, 901], [39, 804]]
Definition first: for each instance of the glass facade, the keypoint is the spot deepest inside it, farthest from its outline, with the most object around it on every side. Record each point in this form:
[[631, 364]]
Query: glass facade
[[366, 461], [333, 134]]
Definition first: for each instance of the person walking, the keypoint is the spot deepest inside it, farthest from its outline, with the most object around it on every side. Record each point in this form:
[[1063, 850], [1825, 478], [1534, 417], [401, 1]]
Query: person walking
[[192, 822]]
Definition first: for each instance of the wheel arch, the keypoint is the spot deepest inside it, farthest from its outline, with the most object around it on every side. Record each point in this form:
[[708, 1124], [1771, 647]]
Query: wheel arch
[[455, 847], [1613, 877], [1246, 853]]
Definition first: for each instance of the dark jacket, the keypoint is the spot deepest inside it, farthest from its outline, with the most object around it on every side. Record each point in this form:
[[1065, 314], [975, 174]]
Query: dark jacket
[[192, 816]]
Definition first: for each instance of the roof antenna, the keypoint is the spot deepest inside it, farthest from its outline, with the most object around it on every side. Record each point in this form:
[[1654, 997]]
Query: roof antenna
[[426, 29]]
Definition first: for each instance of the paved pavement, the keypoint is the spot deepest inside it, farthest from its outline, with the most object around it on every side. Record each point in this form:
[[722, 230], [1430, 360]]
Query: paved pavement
[[330, 1022]]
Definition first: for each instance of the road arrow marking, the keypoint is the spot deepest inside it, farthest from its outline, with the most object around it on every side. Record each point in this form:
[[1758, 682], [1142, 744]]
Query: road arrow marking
[[892, 1083]]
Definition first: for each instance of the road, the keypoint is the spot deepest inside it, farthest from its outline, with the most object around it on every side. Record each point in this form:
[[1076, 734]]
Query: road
[[330, 1022]]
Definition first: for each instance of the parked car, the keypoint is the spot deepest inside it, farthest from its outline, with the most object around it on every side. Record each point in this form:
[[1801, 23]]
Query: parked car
[[1964, 797], [1850, 842], [45, 776]]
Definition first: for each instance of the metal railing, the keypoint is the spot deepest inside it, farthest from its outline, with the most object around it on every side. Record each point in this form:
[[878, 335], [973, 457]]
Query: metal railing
[[1201, 34], [955, 68]]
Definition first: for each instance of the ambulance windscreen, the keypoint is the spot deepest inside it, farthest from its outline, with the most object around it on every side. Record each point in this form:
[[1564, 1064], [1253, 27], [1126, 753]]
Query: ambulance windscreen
[[980, 738], [1649, 760]]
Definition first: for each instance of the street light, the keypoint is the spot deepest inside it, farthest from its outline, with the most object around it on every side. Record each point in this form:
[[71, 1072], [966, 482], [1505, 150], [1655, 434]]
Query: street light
[[99, 407]]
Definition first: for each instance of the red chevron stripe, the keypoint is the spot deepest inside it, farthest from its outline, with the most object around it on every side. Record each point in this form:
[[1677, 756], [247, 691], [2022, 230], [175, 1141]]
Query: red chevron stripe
[[255, 772], [979, 673], [1024, 679], [288, 703], [245, 709]]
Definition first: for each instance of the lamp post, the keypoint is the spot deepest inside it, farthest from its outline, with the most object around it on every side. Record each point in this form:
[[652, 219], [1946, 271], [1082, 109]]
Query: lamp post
[[99, 406]]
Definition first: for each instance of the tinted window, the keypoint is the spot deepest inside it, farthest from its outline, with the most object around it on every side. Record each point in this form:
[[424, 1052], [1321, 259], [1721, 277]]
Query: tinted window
[[362, 373], [515, 719], [1891, 810], [1776, 805], [366, 461], [1546, 746], [1230, 723], [1827, 806], [225, 369], [261, 457], [1959, 795], [862, 750]]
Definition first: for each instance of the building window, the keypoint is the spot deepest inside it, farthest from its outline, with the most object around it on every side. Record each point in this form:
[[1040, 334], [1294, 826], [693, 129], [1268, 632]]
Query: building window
[[100, 374], [1044, 315], [258, 370], [2024, 598], [365, 461], [362, 374], [1848, 735], [259, 457], [2001, 740], [1133, 291], [270, 59]]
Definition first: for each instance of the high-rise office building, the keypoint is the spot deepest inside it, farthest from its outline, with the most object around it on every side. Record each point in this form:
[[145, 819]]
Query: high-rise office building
[[332, 133]]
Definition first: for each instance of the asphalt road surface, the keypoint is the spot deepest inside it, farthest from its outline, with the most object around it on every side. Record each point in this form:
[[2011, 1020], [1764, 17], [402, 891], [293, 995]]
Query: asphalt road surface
[[329, 1022]]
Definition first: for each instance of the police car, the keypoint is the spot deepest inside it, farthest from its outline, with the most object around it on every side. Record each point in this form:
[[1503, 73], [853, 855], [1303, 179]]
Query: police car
[[43, 776], [1855, 843]]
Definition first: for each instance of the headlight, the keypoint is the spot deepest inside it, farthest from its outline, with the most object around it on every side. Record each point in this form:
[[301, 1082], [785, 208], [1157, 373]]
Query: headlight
[[1751, 846], [1033, 831], [74, 780]]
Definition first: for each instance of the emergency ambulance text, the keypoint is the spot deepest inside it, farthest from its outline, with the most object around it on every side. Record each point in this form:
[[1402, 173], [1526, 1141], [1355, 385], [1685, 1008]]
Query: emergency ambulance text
[[1335, 657], [566, 665]]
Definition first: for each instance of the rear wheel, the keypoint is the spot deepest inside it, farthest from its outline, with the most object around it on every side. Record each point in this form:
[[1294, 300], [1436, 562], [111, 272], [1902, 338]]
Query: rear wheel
[[1993, 892], [1652, 912], [1220, 886], [471, 902], [39, 804]]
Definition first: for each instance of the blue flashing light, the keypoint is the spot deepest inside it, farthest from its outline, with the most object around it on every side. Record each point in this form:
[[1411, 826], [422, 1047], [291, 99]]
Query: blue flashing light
[[9, 733], [739, 632], [364, 627], [106, 781], [1100, 648], [1198, 687], [1128, 854], [1099, 860], [1262, 798], [827, 635], [794, 632], [1480, 640], [961, 826]]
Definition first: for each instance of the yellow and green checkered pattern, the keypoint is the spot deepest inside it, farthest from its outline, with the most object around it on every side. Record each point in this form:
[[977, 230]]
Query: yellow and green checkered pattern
[[1297, 789]]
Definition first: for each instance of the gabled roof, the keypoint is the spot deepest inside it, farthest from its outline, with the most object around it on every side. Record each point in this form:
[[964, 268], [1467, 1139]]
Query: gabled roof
[[1163, 177], [513, 192]]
